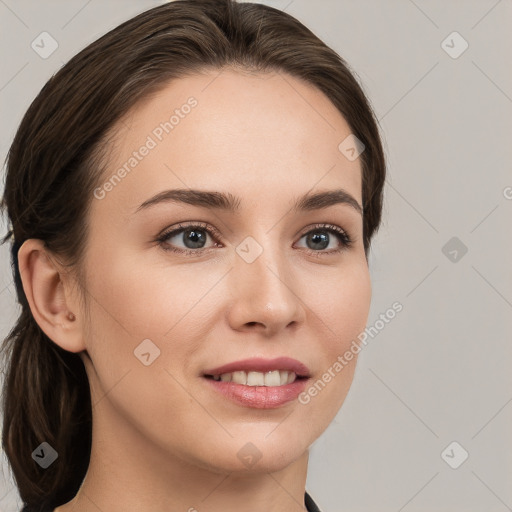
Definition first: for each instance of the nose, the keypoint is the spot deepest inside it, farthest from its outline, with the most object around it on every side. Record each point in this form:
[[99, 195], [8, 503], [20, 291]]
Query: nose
[[263, 297]]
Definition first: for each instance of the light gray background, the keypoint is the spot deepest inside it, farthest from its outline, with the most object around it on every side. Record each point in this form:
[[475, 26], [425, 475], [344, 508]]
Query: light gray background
[[440, 371]]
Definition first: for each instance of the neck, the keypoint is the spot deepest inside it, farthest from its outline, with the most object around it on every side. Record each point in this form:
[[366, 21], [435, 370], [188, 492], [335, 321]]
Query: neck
[[129, 473]]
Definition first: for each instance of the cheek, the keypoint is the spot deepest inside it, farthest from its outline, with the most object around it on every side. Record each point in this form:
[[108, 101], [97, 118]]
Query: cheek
[[134, 301], [342, 301], [342, 306], [146, 299]]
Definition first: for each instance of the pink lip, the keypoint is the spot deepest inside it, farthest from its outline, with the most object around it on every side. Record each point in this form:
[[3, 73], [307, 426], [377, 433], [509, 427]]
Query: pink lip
[[260, 397], [258, 364]]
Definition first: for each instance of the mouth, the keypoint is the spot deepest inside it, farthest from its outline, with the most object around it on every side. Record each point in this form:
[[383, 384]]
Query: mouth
[[259, 383], [272, 378]]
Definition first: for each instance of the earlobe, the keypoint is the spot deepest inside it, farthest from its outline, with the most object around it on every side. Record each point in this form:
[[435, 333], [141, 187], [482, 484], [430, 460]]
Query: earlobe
[[50, 302]]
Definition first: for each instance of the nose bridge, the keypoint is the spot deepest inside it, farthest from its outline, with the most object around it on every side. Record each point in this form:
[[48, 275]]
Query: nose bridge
[[263, 287]]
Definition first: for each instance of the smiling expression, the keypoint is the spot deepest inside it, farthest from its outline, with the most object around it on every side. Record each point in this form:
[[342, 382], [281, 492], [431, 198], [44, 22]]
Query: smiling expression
[[237, 236]]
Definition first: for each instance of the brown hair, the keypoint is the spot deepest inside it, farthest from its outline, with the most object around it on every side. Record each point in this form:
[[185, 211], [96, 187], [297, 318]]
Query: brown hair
[[54, 165]]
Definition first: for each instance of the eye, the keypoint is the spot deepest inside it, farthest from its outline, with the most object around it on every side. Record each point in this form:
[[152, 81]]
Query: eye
[[193, 237], [321, 237]]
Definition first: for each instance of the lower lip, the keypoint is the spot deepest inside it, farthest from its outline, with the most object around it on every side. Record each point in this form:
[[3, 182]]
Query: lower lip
[[259, 397]]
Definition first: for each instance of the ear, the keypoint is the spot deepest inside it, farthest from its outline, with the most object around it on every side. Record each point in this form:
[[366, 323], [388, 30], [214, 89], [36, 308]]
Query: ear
[[49, 293]]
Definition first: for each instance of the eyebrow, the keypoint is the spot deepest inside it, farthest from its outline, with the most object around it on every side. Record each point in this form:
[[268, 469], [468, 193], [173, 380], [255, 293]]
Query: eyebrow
[[230, 203]]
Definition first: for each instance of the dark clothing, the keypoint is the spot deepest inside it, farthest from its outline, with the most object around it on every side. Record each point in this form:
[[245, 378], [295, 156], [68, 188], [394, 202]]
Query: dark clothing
[[311, 506], [308, 500]]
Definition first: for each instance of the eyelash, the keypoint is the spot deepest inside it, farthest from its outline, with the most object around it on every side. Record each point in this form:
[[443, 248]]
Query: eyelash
[[345, 239]]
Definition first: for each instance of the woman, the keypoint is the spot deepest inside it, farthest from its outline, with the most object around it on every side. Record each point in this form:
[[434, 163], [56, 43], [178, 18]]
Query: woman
[[192, 200]]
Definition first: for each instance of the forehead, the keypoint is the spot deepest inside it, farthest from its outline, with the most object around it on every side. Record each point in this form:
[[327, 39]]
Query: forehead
[[254, 135]]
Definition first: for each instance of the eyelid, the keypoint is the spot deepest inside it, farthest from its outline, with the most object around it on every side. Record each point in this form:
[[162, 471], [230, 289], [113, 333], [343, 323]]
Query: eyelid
[[166, 233], [322, 225], [345, 239]]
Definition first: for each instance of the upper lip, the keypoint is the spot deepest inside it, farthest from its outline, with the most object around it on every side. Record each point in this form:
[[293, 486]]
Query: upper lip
[[258, 364]]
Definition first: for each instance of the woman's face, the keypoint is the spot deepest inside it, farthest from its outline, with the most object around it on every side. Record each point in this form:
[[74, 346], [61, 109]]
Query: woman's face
[[259, 280]]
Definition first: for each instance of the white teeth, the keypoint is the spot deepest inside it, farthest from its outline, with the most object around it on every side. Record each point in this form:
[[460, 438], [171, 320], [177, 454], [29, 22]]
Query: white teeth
[[255, 379], [239, 377], [269, 379], [272, 378]]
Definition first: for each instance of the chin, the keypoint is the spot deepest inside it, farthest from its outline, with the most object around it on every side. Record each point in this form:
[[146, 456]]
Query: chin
[[253, 454]]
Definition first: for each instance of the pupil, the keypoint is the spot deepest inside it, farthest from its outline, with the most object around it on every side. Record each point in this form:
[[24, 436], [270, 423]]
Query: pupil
[[322, 239], [197, 238]]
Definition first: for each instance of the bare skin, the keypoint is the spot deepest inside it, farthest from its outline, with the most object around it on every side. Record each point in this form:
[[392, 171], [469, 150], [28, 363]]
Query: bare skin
[[163, 438]]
